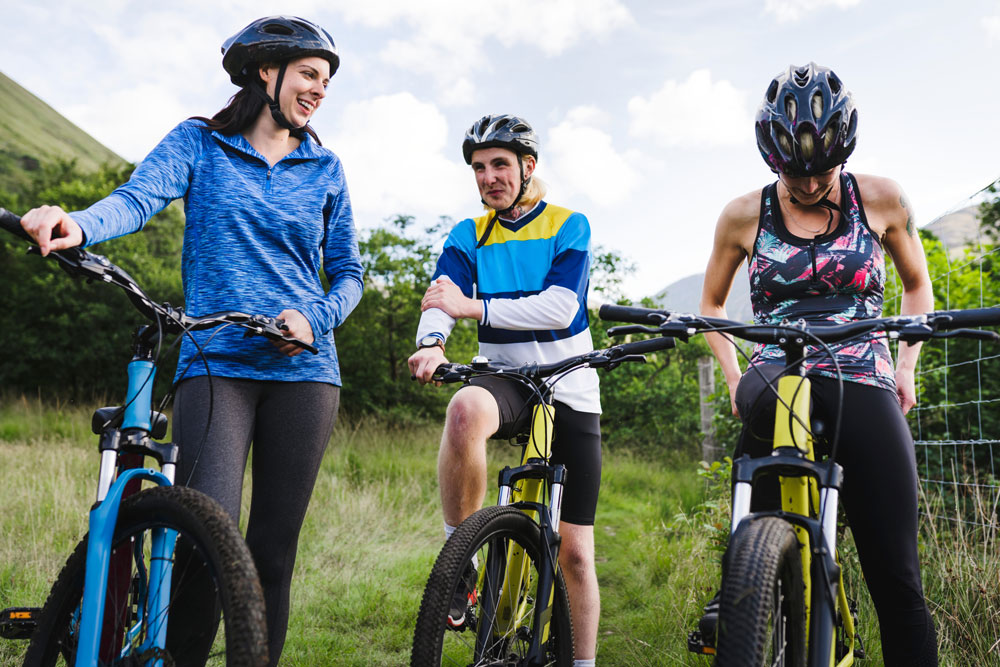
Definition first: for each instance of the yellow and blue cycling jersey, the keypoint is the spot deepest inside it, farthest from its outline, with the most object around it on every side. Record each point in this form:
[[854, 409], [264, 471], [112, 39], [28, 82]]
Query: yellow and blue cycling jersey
[[532, 275]]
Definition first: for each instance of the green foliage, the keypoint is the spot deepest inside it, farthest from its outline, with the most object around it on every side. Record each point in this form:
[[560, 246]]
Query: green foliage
[[70, 333], [377, 339], [652, 407], [989, 214], [958, 379]]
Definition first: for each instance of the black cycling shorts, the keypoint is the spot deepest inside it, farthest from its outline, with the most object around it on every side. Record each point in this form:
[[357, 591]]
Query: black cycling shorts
[[576, 443]]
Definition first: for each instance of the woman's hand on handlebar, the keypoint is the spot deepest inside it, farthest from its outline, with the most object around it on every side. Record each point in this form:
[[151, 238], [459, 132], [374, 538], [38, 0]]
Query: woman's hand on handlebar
[[52, 229], [296, 326], [424, 362]]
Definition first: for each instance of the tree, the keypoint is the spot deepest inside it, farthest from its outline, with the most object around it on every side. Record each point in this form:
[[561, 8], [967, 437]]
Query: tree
[[378, 337]]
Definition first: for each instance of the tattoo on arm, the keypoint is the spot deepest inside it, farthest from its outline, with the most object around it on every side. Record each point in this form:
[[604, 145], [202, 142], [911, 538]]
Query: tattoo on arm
[[910, 227]]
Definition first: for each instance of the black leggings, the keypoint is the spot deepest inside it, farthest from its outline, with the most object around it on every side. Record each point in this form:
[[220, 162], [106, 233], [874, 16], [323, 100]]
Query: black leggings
[[289, 424], [879, 495]]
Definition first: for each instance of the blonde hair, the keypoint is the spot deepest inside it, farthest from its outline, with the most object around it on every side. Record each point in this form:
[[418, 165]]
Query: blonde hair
[[533, 193]]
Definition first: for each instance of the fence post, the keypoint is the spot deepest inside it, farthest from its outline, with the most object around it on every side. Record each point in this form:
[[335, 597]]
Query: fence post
[[706, 387]]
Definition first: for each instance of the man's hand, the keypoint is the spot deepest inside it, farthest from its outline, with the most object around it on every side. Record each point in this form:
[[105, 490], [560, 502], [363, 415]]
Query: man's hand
[[424, 362], [298, 327], [52, 229], [447, 296]]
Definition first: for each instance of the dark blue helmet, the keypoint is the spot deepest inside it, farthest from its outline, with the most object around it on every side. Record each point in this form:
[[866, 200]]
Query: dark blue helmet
[[275, 39], [807, 123]]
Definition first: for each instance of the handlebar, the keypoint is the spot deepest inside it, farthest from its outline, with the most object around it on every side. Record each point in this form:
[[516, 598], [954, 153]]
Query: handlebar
[[908, 328], [80, 263], [608, 358]]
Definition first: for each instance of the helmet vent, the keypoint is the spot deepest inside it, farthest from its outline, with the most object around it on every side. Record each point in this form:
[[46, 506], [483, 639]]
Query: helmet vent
[[791, 108], [835, 84], [277, 29], [828, 136], [784, 141], [817, 104], [772, 91], [807, 145], [802, 76]]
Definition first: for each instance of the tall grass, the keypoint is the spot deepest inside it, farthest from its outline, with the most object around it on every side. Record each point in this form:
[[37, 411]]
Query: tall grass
[[374, 528]]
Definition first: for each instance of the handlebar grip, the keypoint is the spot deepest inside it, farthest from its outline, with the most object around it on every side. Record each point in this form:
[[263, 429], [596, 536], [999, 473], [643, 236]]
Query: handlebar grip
[[972, 317], [633, 314], [648, 345], [12, 223]]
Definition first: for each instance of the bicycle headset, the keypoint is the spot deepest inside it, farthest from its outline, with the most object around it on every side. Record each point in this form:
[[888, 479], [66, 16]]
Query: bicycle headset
[[501, 131], [276, 39]]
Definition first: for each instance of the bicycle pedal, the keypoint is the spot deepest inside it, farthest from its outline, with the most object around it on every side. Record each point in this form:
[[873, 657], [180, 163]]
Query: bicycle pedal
[[19, 622], [696, 644]]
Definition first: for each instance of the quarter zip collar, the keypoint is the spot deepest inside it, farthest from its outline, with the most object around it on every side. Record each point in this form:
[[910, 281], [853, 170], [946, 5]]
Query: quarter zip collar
[[307, 149]]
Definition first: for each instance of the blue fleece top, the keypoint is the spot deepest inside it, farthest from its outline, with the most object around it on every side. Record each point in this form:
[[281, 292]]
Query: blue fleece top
[[255, 240]]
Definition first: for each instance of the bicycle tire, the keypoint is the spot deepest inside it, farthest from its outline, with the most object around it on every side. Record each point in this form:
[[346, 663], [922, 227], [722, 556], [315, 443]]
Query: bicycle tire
[[762, 602], [213, 569], [489, 530]]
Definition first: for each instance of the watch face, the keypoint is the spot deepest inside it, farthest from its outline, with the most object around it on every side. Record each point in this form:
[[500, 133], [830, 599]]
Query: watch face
[[430, 341]]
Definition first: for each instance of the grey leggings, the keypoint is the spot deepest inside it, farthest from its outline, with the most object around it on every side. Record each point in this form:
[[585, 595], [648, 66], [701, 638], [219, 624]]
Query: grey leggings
[[289, 424]]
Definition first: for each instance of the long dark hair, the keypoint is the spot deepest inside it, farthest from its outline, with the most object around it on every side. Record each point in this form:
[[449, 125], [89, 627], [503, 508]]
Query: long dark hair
[[240, 113]]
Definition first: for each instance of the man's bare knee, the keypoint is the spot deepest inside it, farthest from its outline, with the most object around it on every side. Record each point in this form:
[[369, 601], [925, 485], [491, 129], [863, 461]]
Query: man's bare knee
[[472, 416]]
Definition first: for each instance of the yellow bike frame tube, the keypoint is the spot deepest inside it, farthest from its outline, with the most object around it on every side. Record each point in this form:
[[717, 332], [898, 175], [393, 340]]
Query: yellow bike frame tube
[[518, 573], [799, 495]]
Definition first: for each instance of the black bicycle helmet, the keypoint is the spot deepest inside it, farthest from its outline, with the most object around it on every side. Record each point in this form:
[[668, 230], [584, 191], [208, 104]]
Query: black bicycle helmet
[[275, 39], [500, 131], [807, 123]]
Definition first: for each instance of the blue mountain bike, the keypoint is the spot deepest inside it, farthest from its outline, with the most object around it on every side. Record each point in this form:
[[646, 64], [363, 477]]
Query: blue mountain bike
[[164, 576]]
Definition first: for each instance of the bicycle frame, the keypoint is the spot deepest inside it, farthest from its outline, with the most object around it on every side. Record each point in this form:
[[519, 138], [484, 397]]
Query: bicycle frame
[[135, 430], [533, 475], [810, 492]]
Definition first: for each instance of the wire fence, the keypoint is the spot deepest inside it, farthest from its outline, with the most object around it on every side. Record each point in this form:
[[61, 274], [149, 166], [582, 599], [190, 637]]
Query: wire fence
[[956, 422]]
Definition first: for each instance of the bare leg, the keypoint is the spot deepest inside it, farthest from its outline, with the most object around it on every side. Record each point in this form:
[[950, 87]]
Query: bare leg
[[576, 557], [473, 416]]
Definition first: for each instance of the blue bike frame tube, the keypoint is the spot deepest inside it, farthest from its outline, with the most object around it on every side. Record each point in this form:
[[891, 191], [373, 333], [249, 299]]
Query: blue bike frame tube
[[139, 397], [103, 519]]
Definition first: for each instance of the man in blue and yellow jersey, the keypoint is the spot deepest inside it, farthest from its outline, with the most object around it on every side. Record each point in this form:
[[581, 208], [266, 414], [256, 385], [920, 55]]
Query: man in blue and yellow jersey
[[522, 271]]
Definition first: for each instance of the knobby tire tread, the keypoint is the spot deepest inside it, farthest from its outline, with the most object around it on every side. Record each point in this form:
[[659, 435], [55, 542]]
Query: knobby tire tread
[[200, 519], [760, 554], [449, 566]]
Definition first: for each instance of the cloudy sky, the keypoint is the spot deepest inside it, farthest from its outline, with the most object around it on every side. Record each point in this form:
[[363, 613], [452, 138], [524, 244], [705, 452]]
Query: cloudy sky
[[644, 108]]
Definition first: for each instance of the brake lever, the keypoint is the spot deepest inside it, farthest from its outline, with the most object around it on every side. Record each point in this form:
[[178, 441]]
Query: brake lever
[[973, 334]]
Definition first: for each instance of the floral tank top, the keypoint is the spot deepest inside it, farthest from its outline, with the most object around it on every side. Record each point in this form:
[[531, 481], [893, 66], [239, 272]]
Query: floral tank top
[[838, 277]]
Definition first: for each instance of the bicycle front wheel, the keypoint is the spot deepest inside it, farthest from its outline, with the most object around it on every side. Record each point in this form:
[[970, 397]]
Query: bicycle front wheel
[[490, 566], [216, 606], [762, 604]]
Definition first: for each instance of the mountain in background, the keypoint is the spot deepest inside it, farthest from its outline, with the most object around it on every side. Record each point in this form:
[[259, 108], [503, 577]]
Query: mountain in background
[[33, 133], [955, 230]]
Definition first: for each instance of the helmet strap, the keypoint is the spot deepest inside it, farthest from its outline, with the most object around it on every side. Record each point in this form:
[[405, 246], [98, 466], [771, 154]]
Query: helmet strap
[[497, 214], [272, 104], [825, 202]]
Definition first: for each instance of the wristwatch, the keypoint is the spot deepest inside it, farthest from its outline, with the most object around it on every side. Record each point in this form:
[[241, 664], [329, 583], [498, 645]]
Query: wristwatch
[[430, 341]]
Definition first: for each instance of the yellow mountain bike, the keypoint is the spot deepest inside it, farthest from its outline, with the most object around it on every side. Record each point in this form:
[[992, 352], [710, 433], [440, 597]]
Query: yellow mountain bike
[[506, 556], [782, 600]]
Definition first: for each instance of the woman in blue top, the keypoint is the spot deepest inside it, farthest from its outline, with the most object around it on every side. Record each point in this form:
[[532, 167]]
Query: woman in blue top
[[266, 209]]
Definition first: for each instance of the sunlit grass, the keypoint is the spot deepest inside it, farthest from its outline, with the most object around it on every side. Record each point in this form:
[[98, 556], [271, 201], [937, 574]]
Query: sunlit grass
[[374, 529]]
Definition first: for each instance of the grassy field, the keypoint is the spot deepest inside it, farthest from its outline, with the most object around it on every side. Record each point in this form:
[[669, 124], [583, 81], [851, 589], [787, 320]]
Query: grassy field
[[374, 529]]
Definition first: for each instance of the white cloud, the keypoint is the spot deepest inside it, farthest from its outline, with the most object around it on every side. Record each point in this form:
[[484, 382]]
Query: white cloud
[[792, 10], [447, 39], [394, 153], [582, 160], [131, 121], [992, 26], [696, 112]]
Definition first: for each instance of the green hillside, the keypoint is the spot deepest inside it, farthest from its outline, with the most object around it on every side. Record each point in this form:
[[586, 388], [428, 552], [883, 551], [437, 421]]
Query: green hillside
[[33, 133]]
